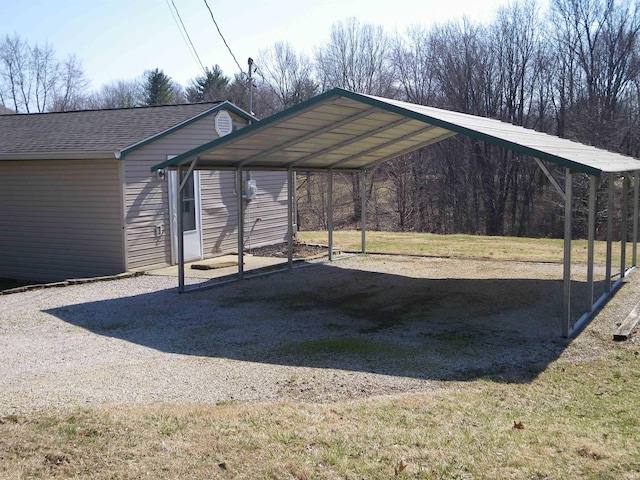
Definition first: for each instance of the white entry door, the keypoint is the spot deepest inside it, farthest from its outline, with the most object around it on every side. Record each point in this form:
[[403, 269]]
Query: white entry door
[[191, 221]]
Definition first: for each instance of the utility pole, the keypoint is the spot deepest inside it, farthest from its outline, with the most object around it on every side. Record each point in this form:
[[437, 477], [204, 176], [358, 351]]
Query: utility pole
[[251, 85]]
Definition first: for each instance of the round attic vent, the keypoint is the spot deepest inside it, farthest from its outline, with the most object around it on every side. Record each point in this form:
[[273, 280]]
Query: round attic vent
[[224, 124]]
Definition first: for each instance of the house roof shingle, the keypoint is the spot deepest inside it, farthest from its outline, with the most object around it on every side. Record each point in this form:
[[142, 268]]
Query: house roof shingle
[[5, 111], [89, 133]]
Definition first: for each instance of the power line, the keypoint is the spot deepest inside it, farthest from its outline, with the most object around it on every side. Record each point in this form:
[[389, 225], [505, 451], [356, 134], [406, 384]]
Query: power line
[[187, 34], [183, 32], [222, 36]]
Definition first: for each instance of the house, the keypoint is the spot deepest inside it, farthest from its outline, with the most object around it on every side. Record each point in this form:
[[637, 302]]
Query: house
[[78, 198], [5, 111]]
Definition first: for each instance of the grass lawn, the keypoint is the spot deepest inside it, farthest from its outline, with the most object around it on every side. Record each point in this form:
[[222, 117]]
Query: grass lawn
[[578, 419], [473, 246]]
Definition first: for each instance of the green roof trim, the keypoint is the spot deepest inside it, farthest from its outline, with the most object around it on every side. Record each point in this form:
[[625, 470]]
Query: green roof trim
[[226, 105]]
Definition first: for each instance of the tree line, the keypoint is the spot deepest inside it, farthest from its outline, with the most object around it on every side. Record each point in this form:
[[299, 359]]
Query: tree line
[[572, 71]]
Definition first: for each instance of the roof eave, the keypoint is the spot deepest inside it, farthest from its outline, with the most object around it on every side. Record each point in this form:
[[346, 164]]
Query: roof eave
[[74, 155]]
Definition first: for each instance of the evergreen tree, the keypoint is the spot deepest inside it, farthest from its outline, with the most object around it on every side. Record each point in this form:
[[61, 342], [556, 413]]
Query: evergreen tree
[[210, 87], [157, 88]]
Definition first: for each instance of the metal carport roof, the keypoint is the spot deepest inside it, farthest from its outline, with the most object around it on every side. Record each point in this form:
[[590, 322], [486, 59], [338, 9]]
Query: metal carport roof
[[345, 131]]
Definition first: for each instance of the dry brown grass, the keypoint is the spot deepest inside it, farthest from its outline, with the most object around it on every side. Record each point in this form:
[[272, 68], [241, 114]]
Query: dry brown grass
[[463, 246], [578, 419]]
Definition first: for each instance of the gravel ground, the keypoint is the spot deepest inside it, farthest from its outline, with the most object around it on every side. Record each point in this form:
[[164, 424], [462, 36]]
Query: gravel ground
[[363, 326]]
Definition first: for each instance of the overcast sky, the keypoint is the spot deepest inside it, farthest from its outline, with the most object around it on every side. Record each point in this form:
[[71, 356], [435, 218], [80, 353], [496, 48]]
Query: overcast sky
[[120, 39]]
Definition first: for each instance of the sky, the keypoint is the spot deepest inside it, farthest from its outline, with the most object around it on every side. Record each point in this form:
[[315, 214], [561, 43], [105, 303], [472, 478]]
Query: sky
[[121, 39]]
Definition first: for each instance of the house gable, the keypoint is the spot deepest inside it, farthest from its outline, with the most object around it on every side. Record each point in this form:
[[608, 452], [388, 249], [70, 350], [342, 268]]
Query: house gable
[[239, 119]]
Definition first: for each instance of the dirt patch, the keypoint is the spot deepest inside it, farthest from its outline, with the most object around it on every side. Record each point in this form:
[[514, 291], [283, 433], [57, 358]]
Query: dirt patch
[[300, 250], [393, 290]]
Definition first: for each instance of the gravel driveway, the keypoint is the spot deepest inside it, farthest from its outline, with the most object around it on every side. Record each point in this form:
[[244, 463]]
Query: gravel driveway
[[370, 325]]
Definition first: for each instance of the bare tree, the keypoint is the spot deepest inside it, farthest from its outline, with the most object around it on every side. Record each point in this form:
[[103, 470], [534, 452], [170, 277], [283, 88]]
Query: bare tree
[[574, 73], [465, 64], [118, 94], [14, 71], [287, 74], [72, 83], [33, 80], [413, 66], [597, 45], [357, 57], [44, 72], [516, 37]]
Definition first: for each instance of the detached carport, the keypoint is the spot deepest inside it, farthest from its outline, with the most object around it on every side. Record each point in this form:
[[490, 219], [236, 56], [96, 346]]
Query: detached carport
[[342, 131]]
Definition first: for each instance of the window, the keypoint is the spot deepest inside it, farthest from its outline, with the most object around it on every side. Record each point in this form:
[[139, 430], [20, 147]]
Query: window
[[188, 204]]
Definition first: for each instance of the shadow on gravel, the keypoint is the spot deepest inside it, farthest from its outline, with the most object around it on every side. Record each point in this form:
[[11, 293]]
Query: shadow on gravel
[[441, 329]]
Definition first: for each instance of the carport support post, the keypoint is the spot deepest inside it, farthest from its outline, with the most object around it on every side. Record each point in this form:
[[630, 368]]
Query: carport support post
[[566, 303], [607, 283], [636, 194], [624, 226], [591, 236], [290, 194], [180, 201], [363, 209], [240, 223], [330, 212]]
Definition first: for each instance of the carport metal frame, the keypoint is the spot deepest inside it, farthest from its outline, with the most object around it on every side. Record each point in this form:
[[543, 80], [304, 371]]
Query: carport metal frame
[[571, 155]]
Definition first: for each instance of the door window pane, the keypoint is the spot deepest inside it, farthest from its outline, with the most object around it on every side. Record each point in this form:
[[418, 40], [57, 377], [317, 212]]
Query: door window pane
[[188, 205]]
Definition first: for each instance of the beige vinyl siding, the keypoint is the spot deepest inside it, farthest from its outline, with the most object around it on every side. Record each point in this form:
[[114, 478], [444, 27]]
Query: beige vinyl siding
[[219, 212], [270, 206], [60, 219], [147, 202], [147, 196], [265, 217]]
